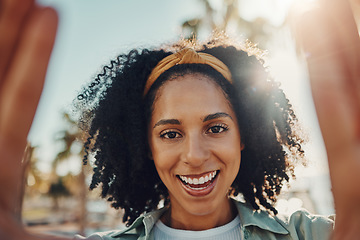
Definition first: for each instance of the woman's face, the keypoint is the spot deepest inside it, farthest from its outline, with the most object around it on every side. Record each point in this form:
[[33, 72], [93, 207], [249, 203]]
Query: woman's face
[[195, 143]]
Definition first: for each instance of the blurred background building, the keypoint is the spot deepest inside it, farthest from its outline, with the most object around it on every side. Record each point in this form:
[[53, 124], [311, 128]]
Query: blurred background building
[[93, 32]]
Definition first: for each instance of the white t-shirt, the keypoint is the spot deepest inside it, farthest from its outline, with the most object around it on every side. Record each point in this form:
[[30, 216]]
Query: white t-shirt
[[229, 231]]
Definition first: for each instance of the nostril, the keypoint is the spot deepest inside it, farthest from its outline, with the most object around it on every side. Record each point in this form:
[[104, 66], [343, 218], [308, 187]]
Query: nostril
[[196, 159]]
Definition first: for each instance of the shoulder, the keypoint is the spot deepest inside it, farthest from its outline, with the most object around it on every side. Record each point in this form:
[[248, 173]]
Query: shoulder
[[98, 235], [141, 227], [307, 225], [299, 225], [133, 232], [126, 234]]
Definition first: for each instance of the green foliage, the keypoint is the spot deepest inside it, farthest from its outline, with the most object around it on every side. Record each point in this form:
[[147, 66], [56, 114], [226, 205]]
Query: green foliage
[[227, 18], [58, 189]]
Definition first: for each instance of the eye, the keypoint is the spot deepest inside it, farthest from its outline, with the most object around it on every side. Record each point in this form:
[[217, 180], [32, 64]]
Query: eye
[[217, 129], [170, 134]]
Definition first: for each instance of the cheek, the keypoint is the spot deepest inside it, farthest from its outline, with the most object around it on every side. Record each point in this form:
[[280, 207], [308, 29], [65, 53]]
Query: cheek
[[164, 158], [165, 165], [233, 159], [233, 163], [232, 152]]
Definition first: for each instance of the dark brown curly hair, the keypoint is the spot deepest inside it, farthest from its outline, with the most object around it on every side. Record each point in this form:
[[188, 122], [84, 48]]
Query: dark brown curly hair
[[115, 116]]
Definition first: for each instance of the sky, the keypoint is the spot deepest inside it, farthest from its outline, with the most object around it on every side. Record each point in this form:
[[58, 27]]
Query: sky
[[90, 33]]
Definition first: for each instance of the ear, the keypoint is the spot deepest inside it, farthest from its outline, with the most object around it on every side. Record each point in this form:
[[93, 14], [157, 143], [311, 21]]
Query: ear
[[242, 146], [150, 155]]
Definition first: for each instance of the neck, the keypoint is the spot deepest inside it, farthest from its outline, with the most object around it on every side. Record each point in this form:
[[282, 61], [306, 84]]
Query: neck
[[180, 219]]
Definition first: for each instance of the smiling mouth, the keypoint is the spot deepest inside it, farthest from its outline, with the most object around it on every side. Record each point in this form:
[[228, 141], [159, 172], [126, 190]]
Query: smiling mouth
[[198, 186]]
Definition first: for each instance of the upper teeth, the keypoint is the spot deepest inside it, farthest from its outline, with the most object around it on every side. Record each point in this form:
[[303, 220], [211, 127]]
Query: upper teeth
[[201, 180]]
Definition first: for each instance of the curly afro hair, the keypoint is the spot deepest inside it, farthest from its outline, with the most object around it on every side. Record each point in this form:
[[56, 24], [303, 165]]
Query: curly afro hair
[[115, 115]]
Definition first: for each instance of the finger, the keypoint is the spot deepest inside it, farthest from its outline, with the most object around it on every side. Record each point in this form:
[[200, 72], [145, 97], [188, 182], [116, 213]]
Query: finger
[[346, 39], [19, 97], [331, 42], [13, 15], [21, 92], [329, 37], [328, 30], [334, 89]]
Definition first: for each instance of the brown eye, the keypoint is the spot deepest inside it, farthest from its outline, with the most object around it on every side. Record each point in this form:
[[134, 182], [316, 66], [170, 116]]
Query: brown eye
[[170, 135], [217, 129]]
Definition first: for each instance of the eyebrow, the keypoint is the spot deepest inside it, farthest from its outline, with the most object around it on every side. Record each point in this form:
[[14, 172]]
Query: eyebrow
[[177, 122], [167, 121], [216, 115]]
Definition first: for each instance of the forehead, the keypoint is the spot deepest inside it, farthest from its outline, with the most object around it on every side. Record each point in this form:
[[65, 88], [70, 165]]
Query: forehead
[[192, 93]]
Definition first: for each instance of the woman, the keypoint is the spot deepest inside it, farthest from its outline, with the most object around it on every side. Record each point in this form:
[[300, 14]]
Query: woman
[[194, 126], [22, 44]]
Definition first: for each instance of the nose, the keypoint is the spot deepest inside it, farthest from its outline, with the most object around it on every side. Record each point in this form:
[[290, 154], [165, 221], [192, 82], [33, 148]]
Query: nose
[[196, 150]]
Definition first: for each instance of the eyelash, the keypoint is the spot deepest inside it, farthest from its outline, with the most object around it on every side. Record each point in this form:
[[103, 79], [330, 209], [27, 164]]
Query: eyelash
[[223, 127], [166, 133]]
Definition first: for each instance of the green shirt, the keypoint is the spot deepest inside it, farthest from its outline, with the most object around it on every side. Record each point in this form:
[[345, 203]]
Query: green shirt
[[254, 225]]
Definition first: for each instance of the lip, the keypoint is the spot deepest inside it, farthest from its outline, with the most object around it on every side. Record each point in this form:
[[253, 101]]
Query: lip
[[201, 192]]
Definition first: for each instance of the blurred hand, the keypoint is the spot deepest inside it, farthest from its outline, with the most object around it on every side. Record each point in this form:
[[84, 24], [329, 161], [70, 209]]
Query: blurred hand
[[27, 34], [330, 40]]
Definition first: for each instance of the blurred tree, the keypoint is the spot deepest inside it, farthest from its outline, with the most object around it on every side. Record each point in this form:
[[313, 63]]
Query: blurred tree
[[58, 190], [35, 180], [258, 31], [70, 138]]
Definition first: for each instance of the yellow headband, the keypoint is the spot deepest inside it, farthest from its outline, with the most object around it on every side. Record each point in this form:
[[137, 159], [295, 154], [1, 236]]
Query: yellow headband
[[187, 55]]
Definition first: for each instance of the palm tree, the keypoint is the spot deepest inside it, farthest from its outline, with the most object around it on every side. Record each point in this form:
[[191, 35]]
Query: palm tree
[[57, 190], [27, 161], [70, 137], [257, 31]]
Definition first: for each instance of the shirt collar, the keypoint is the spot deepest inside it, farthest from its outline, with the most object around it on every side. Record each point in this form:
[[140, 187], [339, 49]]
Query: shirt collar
[[248, 217], [261, 219], [146, 221]]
